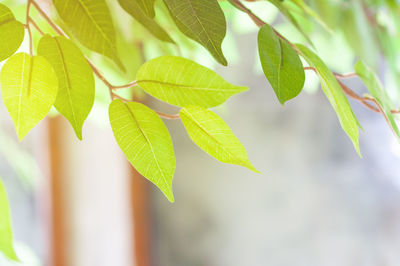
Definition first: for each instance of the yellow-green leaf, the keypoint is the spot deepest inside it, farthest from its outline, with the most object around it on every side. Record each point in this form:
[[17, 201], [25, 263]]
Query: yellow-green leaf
[[76, 87], [335, 95], [375, 87], [6, 235], [11, 33], [133, 8], [281, 64], [147, 6], [29, 88], [90, 22], [145, 141], [214, 136], [182, 82], [202, 21]]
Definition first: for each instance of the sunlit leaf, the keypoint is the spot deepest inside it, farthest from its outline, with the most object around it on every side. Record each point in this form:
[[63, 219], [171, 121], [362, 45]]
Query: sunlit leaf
[[145, 141], [6, 235], [335, 95], [214, 136], [135, 10], [182, 82], [29, 88], [374, 86], [202, 21], [11, 33], [90, 22], [281, 64], [75, 79]]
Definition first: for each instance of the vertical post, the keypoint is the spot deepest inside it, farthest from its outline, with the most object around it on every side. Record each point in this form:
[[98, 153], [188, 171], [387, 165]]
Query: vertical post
[[141, 218], [58, 241]]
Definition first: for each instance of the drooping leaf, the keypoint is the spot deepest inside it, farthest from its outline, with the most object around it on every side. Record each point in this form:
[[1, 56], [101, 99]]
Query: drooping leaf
[[182, 82], [11, 33], [29, 88], [76, 87], [214, 136], [281, 64], [6, 235], [309, 11], [145, 141], [202, 21], [375, 87], [335, 95], [357, 31], [135, 10], [90, 22]]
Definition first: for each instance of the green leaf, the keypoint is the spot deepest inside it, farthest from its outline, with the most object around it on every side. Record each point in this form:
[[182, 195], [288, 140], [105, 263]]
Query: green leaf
[[147, 6], [335, 95], [214, 136], [182, 82], [29, 88], [202, 21], [6, 235], [90, 22], [281, 64], [309, 11], [279, 5], [135, 10], [76, 86], [11, 33], [375, 87], [145, 141]]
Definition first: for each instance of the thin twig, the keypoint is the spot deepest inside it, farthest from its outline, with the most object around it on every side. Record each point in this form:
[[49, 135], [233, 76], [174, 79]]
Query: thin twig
[[31, 21], [128, 85], [28, 8], [341, 76], [48, 19]]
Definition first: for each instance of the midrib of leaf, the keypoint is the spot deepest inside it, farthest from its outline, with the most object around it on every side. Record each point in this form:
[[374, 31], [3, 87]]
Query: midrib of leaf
[[208, 36], [64, 66], [149, 143], [185, 86], [95, 23], [20, 95], [145, 6], [212, 137], [7, 21], [279, 69]]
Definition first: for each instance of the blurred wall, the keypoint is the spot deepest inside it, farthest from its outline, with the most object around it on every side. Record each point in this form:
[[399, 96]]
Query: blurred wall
[[316, 202]]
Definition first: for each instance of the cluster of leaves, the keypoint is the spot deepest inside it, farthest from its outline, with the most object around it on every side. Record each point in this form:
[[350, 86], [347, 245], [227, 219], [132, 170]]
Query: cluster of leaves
[[61, 75]]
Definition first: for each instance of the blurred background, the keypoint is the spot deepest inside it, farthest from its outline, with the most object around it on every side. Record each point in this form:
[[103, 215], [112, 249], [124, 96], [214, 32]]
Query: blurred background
[[316, 203]]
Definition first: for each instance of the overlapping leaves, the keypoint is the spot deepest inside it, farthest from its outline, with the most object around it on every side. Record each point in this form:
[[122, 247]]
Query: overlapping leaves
[[90, 22], [75, 78]]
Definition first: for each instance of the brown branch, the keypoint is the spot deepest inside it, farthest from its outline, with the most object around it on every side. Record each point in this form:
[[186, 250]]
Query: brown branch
[[31, 21], [28, 8], [259, 22]]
